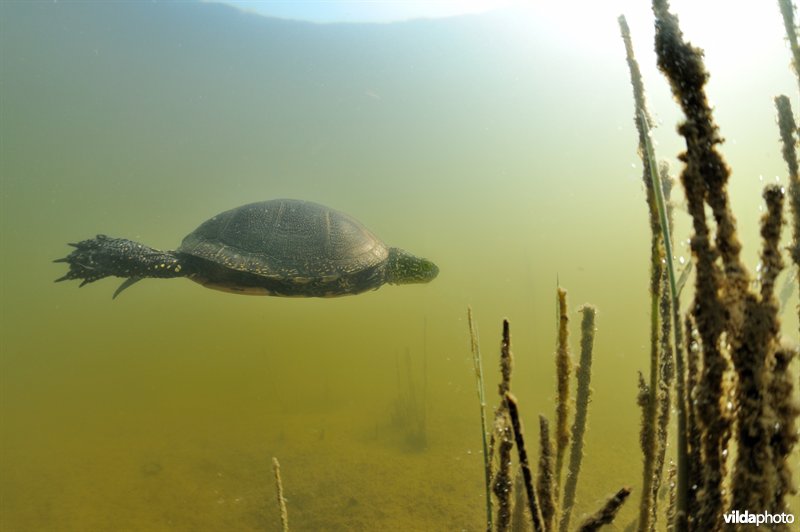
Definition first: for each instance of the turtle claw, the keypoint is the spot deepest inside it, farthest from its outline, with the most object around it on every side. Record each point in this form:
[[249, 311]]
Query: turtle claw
[[128, 282], [83, 261]]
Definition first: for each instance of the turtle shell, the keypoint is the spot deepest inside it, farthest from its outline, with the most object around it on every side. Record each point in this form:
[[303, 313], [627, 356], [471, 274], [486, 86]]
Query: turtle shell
[[287, 240]]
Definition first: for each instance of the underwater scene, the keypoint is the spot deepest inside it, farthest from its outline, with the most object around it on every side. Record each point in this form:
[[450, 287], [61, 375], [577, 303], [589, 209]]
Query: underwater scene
[[455, 172]]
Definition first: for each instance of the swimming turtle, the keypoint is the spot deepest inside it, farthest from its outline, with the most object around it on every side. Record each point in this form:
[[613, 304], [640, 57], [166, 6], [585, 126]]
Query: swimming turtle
[[280, 247]]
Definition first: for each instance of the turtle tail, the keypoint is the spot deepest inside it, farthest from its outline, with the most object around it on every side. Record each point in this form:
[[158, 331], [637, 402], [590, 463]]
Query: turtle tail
[[103, 256]]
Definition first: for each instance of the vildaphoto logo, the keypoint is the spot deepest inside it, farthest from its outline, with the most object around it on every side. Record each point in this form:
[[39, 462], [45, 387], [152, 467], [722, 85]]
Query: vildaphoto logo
[[765, 518]]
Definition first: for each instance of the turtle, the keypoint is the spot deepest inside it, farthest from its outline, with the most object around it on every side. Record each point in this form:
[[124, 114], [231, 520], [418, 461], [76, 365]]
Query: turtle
[[279, 247]]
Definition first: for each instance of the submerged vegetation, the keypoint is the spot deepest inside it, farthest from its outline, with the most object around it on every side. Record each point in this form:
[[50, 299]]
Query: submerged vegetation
[[284, 513], [547, 510], [735, 403], [733, 388], [721, 364], [408, 417], [235, 383]]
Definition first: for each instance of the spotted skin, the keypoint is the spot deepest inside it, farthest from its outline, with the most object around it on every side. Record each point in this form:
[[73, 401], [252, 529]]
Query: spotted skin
[[103, 256]]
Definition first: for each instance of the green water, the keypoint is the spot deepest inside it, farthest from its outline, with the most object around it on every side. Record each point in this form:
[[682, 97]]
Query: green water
[[495, 145]]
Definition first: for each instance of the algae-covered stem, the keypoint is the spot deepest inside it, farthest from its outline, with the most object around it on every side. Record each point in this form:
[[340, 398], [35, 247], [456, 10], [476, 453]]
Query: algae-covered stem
[[787, 11], [276, 468], [666, 364], [719, 270], [513, 412], [545, 481], [506, 364], [607, 513], [672, 472], [584, 376], [694, 435], [788, 127], [754, 481], [655, 397], [563, 370], [781, 399], [502, 484], [487, 459]]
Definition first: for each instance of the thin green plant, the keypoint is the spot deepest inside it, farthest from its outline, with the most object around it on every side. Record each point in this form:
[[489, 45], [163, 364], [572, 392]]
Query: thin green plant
[[682, 488], [487, 459]]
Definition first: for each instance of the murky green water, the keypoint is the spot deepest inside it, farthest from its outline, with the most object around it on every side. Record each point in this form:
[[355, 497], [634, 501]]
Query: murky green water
[[497, 145]]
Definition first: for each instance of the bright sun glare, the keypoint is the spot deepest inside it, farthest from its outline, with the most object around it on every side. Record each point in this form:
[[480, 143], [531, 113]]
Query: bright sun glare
[[749, 27]]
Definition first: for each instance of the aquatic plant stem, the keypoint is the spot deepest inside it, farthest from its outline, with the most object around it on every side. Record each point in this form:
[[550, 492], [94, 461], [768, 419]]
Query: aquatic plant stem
[[584, 376], [423, 421], [607, 513], [516, 424], [545, 485], [563, 370], [506, 362], [781, 388], [276, 468], [672, 496], [682, 398], [728, 322], [502, 483], [787, 11], [754, 479], [733, 323], [662, 210], [487, 459], [787, 128], [781, 398], [655, 397], [661, 410]]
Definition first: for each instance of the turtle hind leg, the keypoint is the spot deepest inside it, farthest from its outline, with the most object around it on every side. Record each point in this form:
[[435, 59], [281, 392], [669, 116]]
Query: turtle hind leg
[[103, 256]]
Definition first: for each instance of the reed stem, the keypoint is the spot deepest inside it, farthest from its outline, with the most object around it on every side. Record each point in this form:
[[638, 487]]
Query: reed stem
[[787, 11], [545, 481], [682, 398], [584, 376], [655, 399], [516, 424], [276, 468], [487, 459], [788, 131], [563, 370]]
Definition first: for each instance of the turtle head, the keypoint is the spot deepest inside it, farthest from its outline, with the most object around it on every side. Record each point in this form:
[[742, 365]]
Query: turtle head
[[405, 268]]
